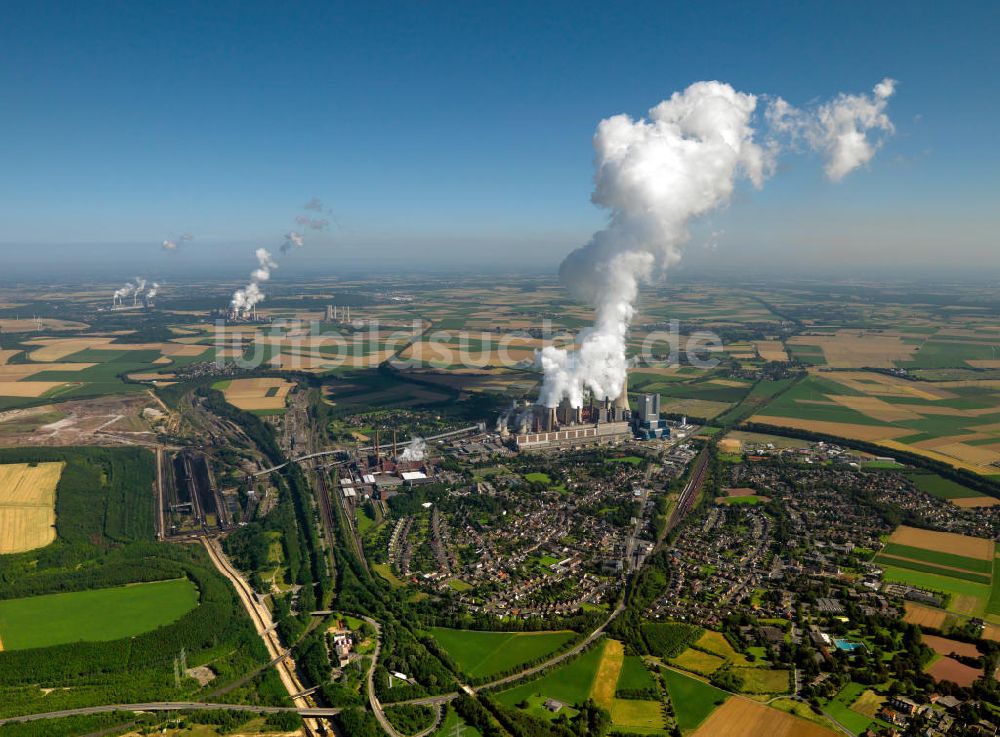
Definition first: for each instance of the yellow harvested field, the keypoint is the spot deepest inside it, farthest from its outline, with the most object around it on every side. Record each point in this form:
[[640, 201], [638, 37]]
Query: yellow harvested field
[[252, 394], [859, 349], [843, 429], [27, 388], [698, 662], [977, 455], [27, 505], [18, 371], [739, 717], [983, 364], [925, 616], [728, 382], [887, 386], [731, 445], [771, 350], [944, 542], [6, 355], [943, 457], [975, 502], [877, 409], [602, 691]]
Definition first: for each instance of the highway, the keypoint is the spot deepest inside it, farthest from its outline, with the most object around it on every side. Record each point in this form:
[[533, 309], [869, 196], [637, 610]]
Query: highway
[[265, 628], [168, 706]]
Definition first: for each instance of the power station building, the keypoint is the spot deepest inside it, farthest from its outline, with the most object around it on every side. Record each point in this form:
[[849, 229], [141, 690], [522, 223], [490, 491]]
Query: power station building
[[536, 427], [648, 424]]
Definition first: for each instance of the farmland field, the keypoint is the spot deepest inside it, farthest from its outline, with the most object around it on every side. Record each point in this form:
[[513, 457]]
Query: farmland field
[[481, 654], [635, 676], [953, 422], [693, 700], [27, 505], [741, 718], [260, 394], [570, 683], [606, 680], [94, 615]]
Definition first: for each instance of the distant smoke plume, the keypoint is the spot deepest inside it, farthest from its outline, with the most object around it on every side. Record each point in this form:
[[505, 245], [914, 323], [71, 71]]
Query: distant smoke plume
[[415, 451], [153, 290], [244, 299], [312, 223], [655, 176], [174, 244], [316, 205], [292, 240]]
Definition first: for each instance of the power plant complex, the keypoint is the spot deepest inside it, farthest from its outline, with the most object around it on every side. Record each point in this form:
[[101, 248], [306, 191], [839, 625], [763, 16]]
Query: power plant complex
[[601, 422]]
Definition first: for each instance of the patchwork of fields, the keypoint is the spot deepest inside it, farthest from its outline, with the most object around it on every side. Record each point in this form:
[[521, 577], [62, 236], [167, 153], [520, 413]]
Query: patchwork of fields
[[956, 422], [960, 566]]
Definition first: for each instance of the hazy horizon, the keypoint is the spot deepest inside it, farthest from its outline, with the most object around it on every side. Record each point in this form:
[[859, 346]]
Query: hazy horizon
[[394, 139]]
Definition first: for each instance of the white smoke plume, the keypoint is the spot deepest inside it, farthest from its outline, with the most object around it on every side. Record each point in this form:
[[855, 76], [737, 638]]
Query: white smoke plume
[[839, 129], [174, 244], [244, 299], [416, 450], [292, 240], [123, 292], [655, 176], [153, 290]]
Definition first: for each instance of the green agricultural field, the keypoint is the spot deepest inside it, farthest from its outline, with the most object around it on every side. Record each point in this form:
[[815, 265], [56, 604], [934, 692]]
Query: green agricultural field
[[569, 683], [482, 654], [839, 708], [967, 597], [635, 676], [97, 615], [973, 565], [646, 717], [693, 700], [764, 680], [928, 568], [942, 488]]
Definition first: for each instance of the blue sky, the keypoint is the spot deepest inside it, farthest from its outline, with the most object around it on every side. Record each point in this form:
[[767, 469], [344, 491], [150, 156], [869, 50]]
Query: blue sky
[[460, 133]]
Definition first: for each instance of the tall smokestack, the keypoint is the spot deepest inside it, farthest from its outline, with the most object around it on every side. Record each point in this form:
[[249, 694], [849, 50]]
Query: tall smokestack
[[394, 455], [377, 452]]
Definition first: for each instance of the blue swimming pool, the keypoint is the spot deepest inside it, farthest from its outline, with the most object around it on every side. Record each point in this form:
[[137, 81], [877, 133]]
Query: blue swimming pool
[[847, 645]]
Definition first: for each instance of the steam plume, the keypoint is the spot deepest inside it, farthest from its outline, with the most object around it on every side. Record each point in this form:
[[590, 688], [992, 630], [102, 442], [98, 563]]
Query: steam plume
[[153, 290], [172, 245], [312, 223], [244, 299], [655, 176], [415, 451], [839, 129], [292, 240]]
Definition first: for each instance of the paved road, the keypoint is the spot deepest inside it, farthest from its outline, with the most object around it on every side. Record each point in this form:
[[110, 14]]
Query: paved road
[[167, 706], [264, 625]]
